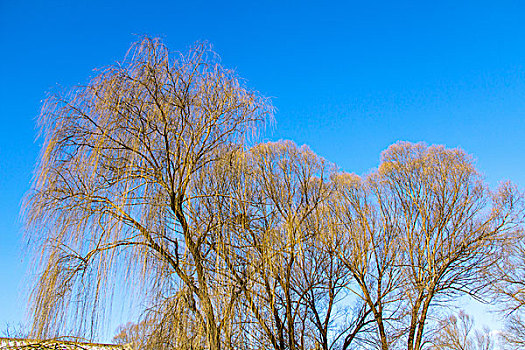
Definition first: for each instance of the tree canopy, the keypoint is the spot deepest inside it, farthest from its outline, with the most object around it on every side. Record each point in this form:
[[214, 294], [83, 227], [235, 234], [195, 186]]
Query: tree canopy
[[151, 178]]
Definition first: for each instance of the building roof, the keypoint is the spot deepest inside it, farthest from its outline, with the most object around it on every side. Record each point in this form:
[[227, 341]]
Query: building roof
[[52, 344]]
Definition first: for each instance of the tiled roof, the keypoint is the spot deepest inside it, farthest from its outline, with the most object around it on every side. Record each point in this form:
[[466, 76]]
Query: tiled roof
[[28, 344]]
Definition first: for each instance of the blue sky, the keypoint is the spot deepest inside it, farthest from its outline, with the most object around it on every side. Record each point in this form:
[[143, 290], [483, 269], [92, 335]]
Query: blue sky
[[347, 78]]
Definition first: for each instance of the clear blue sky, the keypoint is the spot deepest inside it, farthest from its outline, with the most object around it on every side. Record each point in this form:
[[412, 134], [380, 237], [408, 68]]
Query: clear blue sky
[[348, 78]]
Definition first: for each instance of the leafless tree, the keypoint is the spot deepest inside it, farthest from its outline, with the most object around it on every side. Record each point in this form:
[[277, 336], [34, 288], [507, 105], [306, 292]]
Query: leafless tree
[[150, 180], [280, 198], [458, 333], [509, 289], [451, 226], [368, 246], [118, 193], [421, 230], [513, 334]]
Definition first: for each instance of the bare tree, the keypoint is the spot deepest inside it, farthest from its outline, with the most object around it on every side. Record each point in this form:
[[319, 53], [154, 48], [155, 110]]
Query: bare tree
[[279, 243], [509, 289], [450, 224], [513, 334], [368, 246], [458, 333], [324, 281], [148, 180], [118, 193], [420, 231]]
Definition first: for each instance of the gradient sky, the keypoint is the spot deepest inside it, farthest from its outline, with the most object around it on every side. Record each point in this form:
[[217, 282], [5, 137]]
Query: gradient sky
[[347, 78]]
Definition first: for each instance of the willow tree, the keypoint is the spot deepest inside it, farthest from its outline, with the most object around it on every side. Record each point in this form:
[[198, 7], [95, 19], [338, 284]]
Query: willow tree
[[421, 230], [282, 251], [119, 192], [364, 223], [451, 227], [269, 244]]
